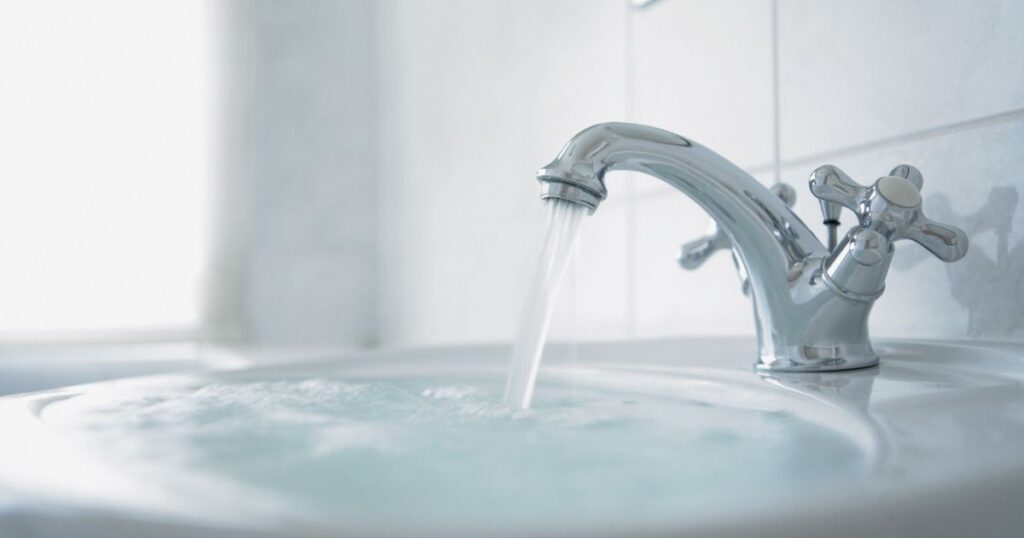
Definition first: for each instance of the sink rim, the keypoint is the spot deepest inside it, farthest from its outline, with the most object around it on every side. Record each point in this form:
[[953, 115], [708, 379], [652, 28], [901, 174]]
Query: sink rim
[[999, 364]]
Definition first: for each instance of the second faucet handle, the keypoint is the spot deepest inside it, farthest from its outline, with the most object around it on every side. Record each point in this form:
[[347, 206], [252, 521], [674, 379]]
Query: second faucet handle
[[891, 207], [693, 254]]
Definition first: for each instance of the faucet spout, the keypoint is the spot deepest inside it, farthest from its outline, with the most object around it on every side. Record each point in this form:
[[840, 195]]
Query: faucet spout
[[800, 320], [766, 232]]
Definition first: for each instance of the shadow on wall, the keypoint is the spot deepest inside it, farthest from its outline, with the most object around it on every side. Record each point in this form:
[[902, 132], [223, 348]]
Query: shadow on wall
[[989, 289]]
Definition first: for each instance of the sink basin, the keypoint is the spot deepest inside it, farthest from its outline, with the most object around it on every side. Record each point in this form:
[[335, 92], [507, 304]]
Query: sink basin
[[641, 438]]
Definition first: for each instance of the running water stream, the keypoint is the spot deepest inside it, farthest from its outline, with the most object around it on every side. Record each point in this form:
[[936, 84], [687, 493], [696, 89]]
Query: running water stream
[[407, 443], [561, 231]]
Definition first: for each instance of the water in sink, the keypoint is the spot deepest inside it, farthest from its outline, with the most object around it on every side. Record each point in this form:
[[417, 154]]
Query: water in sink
[[597, 450]]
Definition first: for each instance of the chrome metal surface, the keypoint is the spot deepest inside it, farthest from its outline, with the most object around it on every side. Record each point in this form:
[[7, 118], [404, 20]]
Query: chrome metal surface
[[811, 302], [693, 254], [891, 207], [830, 217]]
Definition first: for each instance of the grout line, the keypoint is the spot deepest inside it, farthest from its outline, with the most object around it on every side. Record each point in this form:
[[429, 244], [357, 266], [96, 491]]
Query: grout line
[[916, 136], [630, 209], [642, 4], [824, 156], [883, 143], [776, 137]]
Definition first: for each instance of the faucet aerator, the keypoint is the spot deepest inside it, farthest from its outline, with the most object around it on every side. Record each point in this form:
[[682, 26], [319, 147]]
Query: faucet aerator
[[559, 190], [578, 183]]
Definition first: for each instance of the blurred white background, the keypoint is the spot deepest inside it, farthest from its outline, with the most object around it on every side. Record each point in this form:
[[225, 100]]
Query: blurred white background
[[106, 143], [360, 173]]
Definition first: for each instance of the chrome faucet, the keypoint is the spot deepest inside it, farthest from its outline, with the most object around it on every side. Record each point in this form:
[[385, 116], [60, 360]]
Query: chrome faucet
[[811, 302], [692, 255]]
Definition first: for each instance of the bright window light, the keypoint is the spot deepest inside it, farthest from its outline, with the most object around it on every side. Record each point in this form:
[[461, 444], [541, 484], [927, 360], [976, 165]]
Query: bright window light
[[105, 165]]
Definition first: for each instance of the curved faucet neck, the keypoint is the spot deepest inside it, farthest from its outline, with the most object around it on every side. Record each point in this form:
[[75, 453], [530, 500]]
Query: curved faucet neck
[[769, 238], [803, 322]]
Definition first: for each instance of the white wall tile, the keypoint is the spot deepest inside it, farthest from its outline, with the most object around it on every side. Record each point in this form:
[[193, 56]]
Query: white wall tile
[[305, 298], [703, 69], [855, 72], [296, 253], [478, 95], [674, 302]]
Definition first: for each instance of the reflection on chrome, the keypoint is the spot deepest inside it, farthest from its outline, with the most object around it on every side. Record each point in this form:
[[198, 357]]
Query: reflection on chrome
[[811, 302]]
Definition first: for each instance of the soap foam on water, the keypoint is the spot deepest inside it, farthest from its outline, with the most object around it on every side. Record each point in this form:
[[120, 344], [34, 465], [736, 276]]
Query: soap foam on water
[[411, 453]]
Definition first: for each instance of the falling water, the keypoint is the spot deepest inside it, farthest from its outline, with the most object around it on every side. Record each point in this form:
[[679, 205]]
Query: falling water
[[561, 231]]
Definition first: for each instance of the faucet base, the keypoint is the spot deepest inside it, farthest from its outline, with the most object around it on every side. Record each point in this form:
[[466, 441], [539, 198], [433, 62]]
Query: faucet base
[[812, 360]]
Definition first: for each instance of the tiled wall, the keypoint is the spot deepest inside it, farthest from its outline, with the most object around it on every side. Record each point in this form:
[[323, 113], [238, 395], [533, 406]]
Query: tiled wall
[[475, 95], [294, 260], [469, 91]]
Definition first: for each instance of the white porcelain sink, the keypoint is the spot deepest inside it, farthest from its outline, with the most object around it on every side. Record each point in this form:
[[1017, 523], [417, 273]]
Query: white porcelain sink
[[28, 367], [657, 438]]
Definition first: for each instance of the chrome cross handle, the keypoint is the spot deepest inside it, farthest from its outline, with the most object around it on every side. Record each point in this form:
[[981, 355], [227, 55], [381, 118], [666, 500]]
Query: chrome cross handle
[[890, 207], [693, 254]]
